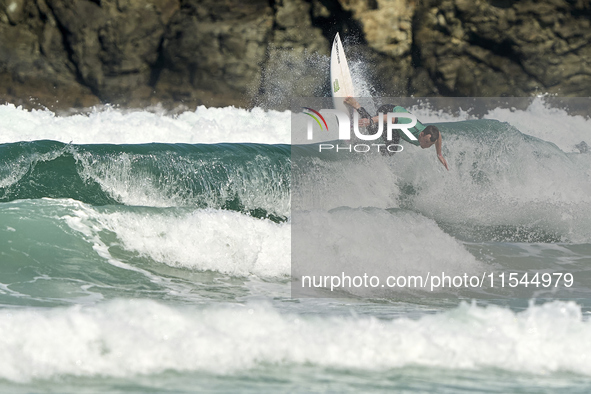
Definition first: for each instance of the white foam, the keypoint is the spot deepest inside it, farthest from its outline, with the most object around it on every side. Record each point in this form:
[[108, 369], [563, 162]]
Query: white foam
[[377, 243], [108, 125], [550, 124], [540, 119], [503, 181], [332, 184], [129, 337], [222, 241], [427, 114], [215, 125]]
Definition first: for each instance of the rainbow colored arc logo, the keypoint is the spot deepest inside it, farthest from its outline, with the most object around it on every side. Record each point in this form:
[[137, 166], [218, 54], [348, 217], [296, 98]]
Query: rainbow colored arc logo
[[315, 118]]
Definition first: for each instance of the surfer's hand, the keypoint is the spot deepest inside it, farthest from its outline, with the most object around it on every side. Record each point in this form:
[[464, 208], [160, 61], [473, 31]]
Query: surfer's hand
[[442, 160], [364, 122], [352, 102]]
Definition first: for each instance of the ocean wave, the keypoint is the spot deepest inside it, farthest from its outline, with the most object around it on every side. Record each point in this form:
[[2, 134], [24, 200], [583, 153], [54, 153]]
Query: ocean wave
[[250, 178], [64, 237], [375, 242], [215, 240], [119, 126], [132, 337], [503, 185]]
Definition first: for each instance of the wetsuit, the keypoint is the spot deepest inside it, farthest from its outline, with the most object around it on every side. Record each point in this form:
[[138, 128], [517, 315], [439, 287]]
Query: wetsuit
[[384, 109]]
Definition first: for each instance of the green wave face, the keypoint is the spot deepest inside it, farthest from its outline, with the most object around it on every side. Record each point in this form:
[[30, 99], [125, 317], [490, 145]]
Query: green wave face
[[57, 252], [248, 178], [503, 184]]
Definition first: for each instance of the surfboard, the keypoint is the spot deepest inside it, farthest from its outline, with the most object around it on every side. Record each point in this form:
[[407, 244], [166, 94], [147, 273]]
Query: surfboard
[[340, 76]]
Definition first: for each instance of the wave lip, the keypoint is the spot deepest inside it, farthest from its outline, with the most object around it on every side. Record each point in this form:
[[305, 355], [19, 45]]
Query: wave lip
[[250, 178]]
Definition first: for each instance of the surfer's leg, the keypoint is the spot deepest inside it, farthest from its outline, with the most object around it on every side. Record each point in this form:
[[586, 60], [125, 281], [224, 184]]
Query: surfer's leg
[[384, 109], [363, 114]]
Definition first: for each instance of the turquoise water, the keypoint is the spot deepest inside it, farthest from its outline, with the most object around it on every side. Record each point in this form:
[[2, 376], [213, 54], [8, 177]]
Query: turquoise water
[[166, 267]]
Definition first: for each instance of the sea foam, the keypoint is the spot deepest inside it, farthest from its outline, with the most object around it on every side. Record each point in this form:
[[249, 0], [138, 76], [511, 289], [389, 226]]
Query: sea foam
[[217, 240], [115, 126], [129, 337], [215, 125]]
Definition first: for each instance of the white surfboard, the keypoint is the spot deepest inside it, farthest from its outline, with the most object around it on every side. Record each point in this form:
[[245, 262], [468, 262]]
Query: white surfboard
[[340, 77]]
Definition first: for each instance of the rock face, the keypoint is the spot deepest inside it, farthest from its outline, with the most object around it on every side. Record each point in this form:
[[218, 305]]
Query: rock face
[[212, 51], [78, 53], [504, 48], [81, 53]]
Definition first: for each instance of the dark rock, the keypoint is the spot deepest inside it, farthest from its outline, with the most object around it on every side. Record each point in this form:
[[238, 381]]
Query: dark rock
[[510, 48], [297, 62], [34, 67], [76, 53], [213, 51], [115, 44]]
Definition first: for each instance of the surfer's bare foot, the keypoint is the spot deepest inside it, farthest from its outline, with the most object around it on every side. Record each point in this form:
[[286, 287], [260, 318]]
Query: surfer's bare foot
[[352, 102]]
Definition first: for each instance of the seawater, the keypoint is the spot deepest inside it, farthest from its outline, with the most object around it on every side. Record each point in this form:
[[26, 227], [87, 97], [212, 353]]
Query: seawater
[[148, 252]]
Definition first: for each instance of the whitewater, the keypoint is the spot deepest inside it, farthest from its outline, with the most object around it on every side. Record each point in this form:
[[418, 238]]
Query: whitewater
[[144, 251]]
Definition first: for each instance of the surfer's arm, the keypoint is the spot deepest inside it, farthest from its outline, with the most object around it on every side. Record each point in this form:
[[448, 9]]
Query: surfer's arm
[[438, 144], [365, 116], [364, 122], [350, 101]]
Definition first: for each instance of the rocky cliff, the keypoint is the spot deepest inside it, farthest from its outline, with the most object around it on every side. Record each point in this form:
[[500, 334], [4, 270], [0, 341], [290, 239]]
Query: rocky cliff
[[64, 53]]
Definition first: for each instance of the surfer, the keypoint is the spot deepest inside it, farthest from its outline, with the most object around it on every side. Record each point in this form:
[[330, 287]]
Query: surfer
[[427, 136]]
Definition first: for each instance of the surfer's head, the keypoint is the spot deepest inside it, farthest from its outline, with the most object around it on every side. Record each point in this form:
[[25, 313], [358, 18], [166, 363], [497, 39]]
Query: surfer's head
[[428, 136]]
